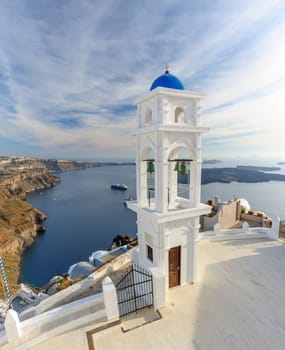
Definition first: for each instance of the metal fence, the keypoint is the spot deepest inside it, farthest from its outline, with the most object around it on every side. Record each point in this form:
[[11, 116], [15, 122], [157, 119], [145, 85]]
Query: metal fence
[[134, 290]]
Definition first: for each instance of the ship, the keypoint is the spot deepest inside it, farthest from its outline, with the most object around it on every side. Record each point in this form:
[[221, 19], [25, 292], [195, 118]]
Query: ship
[[121, 187]]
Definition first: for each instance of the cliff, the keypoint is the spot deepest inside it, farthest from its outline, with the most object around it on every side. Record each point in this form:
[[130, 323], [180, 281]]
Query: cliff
[[19, 221], [27, 180], [67, 165]]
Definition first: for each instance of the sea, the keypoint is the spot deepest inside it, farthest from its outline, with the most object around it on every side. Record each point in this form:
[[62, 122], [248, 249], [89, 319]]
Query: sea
[[84, 214]]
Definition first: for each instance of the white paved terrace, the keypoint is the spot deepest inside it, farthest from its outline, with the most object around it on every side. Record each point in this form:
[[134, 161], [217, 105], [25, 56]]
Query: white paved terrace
[[238, 304]]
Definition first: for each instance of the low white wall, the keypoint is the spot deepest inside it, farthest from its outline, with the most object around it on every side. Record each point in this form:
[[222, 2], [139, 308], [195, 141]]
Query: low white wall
[[26, 334], [77, 310], [12, 326], [96, 308], [110, 299], [241, 233], [159, 291]]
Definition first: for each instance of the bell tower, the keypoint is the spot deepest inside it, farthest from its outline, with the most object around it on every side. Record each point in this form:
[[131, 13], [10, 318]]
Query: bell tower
[[168, 148]]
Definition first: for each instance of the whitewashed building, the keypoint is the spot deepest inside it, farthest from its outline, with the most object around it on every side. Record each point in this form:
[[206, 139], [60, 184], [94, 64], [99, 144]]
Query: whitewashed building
[[168, 139]]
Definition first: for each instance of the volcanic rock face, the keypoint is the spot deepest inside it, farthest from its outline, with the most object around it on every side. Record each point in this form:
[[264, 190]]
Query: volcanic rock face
[[18, 217], [67, 165], [19, 221], [27, 180]]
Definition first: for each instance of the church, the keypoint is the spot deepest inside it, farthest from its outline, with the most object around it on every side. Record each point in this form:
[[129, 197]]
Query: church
[[168, 144]]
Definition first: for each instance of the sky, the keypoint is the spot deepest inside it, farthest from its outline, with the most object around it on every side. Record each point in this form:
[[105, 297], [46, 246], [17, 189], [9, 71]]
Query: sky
[[71, 70]]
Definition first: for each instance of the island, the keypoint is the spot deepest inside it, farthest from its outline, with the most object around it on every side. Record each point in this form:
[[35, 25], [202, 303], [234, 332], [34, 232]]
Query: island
[[259, 168], [240, 173], [248, 174], [212, 161]]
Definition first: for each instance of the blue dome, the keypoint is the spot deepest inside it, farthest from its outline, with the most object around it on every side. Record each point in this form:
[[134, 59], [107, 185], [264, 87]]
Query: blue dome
[[167, 80]]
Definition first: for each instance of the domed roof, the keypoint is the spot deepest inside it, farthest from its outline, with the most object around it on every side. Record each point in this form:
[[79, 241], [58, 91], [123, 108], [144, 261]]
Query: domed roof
[[80, 269], [244, 203], [167, 80]]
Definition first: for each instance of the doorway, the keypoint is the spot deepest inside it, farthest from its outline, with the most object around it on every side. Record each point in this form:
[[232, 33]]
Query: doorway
[[174, 267]]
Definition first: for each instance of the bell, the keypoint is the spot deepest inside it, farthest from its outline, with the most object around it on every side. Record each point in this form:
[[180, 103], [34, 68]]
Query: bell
[[150, 167], [182, 170], [176, 166]]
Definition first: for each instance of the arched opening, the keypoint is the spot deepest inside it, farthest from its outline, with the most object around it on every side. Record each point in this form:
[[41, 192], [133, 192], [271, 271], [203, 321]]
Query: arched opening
[[150, 177], [147, 175], [179, 163], [148, 117], [179, 116]]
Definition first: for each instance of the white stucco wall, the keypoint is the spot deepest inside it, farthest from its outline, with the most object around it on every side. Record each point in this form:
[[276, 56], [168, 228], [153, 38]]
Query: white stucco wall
[[173, 123]]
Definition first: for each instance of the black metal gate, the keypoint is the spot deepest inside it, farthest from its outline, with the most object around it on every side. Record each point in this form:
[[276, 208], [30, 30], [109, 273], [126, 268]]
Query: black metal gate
[[134, 290]]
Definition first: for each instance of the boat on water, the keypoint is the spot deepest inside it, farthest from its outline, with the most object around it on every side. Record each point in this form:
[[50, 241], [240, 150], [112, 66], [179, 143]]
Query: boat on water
[[121, 187]]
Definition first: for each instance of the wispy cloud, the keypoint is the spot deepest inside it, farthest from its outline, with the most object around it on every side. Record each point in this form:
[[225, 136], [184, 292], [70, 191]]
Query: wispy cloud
[[70, 71]]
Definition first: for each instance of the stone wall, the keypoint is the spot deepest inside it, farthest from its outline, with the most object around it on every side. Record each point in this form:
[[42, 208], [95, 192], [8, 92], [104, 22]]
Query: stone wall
[[227, 215], [258, 219]]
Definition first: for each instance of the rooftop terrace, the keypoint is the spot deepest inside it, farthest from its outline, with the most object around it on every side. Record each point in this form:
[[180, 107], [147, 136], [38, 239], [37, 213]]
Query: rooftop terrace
[[238, 303]]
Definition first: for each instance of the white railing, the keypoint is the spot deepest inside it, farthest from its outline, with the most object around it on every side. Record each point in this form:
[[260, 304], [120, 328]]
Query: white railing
[[100, 307], [70, 315], [244, 232]]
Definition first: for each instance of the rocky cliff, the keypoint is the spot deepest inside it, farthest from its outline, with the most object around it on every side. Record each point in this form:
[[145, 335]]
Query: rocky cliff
[[19, 221], [67, 165], [28, 180]]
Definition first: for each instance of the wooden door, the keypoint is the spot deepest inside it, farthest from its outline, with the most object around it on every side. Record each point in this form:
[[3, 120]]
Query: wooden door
[[174, 261]]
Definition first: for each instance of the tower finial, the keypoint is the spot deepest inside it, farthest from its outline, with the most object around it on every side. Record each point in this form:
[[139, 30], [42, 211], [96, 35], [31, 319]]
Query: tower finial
[[167, 66]]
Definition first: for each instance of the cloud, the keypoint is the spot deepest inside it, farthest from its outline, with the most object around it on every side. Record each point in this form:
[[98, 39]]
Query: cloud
[[71, 70]]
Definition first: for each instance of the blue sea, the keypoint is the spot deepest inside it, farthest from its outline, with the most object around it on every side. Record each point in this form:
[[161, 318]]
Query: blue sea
[[84, 215]]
